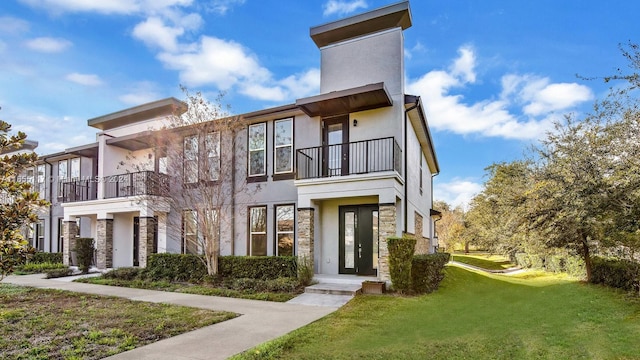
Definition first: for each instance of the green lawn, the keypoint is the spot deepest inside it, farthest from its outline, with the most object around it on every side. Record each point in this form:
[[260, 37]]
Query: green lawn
[[474, 316], [484, 260], [53, 324]]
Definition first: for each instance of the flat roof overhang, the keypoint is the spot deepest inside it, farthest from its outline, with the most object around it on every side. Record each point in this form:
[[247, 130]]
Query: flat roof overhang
[[134, 142], [387, 17], [368, 97], [164, 107], [89, 150]]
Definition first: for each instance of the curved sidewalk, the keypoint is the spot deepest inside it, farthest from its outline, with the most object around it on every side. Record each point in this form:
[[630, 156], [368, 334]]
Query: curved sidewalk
[[260, 321]]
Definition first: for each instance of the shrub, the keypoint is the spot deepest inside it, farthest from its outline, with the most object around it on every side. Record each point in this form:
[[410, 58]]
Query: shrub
[[33, 268], [258, 285], [618, 273], [176, 267], [400, 254], [84, 252], [126, 273], [574, 266], [305, 271], [523, 260], [58, 273], [426, 272], [45, 257], [554, 263]]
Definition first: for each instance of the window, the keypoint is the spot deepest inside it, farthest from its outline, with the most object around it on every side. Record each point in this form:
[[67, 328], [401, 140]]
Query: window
[[60, 234], [75, 169], [62, 175], [212, 149], [257, 149], [421, 174], [189, 232], [40, 184], [283, 156], [161, 161], [212, 226], [258, 231], [30, 177], [38, 240], [190, 156], [285, 225]]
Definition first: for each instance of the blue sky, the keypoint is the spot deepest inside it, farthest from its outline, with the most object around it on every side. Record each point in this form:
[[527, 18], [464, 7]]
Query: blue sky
[[493, 74]]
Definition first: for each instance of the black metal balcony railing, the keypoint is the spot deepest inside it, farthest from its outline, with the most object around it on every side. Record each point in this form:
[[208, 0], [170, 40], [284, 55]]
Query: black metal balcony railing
[[122, 185], [79, 190], [136, 184], [359, 157]]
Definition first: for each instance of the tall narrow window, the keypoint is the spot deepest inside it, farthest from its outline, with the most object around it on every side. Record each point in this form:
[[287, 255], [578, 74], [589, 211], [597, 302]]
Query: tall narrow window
[[162, 161], [285, 224], [212, 148], [211, 227], [283, 156], [40, 184], [190, 156], [60, 234], [75, 169], [39, 240], [62, 176], [257, 146], [421, 174], [189, 232], [258, 231]]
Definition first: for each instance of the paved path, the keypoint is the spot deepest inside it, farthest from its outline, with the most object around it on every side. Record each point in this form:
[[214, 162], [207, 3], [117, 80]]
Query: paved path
[[510, 271], [260, 320]]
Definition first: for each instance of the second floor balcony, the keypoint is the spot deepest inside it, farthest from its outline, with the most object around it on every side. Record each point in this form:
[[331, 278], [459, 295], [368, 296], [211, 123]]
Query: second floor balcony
[[359, 157], [115, 186]]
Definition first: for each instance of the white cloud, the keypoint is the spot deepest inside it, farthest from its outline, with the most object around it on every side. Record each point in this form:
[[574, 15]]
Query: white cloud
[[222, 6], [107, 7], [342, 7], [84, 79], [140, 93], [154, 32], [457, 192], [417, 48], [301, 85], [48, 44], [535, 99], [12, 25]]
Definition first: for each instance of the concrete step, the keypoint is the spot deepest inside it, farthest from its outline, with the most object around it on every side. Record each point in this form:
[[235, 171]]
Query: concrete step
[[334, 289], [342, 279]]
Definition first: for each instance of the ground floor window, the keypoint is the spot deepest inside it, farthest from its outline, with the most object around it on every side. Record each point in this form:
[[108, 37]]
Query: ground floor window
[[189, 232], [285, 225], [38, 241], [60, 234], [258, 231]]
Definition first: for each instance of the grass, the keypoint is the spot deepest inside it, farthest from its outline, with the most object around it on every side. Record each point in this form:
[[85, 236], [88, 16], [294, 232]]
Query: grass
[[474, 316], [192, 289], [53, 324], [484, 260]]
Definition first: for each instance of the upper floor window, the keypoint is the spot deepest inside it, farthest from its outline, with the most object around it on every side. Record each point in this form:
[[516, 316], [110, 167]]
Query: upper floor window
[[212, 149], [62, 175], [190, 157], [162, 161], [421, 175], [75, 169], [283, 156], [40, 184], [257, 149]]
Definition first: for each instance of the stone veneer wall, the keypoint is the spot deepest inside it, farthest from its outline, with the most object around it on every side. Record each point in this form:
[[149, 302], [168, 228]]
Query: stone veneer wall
[[387, 228], [69, 234], [145, 247], [306, 234], [422, 243], [104, 243]]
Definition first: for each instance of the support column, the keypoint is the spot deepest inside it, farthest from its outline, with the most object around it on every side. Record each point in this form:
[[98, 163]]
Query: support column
[[69, 234], [422, 243], [104, 243], [306, 234], [145, 239], [387, 228]]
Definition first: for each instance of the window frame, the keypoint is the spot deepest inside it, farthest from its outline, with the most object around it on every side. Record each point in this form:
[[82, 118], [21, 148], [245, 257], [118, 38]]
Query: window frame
[[277, 232], [40, 180], [276, 147], [186, 163], [257, 176], [62, 178], [251, 233], [216, 157], [184, 245]]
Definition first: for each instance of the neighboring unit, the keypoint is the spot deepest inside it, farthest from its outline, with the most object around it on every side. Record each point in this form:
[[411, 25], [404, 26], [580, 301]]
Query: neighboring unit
[[329, 177]]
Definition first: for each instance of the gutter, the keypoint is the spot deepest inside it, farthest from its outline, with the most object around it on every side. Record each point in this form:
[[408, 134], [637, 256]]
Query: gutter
[[50, 177], [406, 177]]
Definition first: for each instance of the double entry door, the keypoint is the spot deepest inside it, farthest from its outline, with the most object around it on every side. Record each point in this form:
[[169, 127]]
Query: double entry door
[[358, 250]]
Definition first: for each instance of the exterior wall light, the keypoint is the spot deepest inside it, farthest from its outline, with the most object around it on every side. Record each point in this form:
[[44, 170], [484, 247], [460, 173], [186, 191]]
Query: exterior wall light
[[355, 122]]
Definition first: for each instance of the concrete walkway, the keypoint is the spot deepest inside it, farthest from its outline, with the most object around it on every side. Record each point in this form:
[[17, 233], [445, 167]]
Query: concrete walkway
[[260, 321], [509, 271]]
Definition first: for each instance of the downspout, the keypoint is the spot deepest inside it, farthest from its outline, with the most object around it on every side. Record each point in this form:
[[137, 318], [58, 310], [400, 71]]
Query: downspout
[[406, 177], [234, 134], [50, 178]]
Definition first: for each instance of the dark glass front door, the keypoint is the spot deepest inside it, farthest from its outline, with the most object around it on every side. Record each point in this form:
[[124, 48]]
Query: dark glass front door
[[358, 249], [136, 241]]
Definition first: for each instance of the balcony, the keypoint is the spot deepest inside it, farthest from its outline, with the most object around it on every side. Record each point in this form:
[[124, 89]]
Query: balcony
[[359, 157], [115, 186]]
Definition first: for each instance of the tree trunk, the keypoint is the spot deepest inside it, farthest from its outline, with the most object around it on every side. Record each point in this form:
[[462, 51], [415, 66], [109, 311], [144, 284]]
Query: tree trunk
[[587, 256], [466, 247]]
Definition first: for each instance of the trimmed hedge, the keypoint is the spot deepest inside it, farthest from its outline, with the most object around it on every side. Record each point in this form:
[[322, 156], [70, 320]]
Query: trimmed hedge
[[84, 252], [618, 273], [189, 267], [427, 271], [45, 257], [400, 254]]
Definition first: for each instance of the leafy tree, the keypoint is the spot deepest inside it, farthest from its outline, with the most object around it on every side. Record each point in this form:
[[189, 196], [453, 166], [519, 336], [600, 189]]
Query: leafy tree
[[17, 202], [451, 227]]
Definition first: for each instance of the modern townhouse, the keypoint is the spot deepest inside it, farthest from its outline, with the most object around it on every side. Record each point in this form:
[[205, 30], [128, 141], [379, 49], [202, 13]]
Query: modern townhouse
[[328, 177]]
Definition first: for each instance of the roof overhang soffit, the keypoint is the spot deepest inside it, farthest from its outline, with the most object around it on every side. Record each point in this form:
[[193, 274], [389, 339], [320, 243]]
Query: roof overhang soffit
[[368, 97]]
